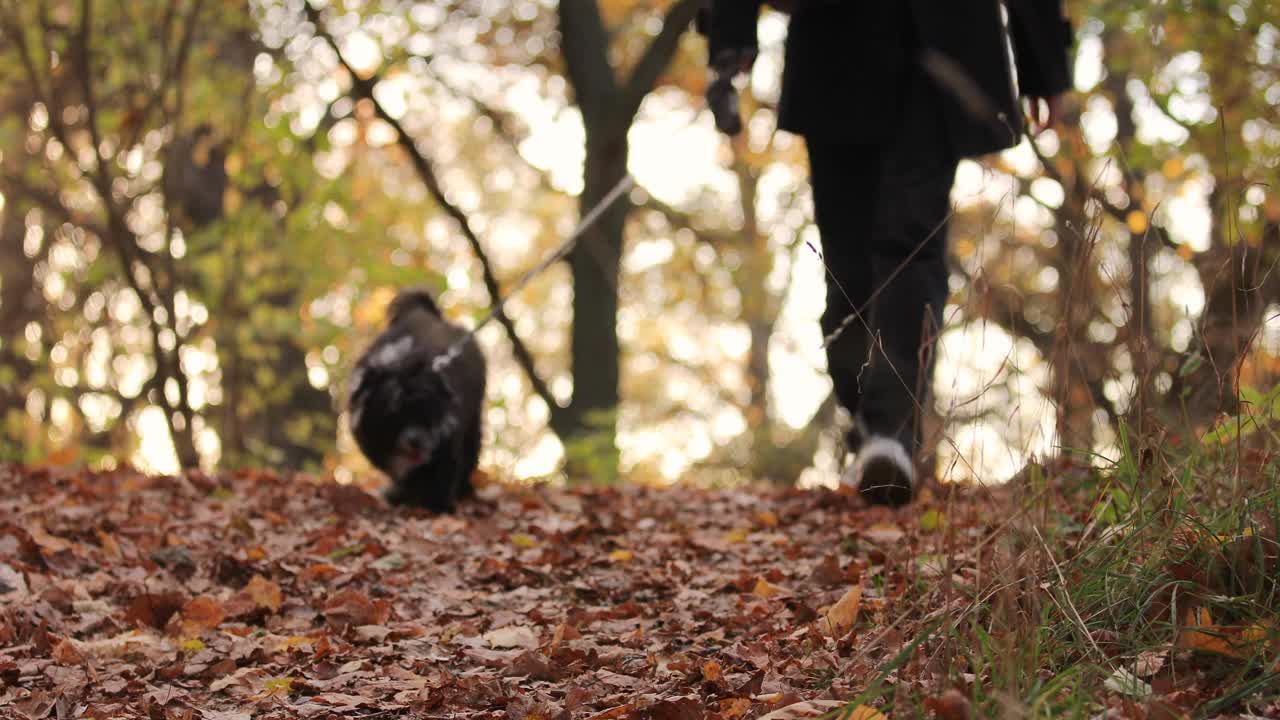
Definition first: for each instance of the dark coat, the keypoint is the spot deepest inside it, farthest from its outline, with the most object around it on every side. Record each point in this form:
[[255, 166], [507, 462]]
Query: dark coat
[[848, 63]]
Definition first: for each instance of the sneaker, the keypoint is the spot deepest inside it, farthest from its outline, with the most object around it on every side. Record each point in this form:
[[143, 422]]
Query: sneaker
[[882, 472]]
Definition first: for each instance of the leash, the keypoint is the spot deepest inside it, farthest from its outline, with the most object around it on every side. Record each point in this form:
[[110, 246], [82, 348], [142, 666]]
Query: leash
[[624, 185]]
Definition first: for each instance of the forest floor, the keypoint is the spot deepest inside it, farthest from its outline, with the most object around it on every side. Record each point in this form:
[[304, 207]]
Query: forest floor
[[256, 595]]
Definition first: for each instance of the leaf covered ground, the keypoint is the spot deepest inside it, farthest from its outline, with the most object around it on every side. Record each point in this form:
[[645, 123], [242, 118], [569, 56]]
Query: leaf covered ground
[[255, 595]]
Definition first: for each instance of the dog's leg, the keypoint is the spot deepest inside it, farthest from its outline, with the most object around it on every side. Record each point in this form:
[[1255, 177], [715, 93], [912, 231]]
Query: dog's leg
[[470, 457], [437, 489]]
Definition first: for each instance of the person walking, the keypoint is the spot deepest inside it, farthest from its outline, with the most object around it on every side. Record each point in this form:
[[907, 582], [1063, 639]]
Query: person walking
[[889, 97]]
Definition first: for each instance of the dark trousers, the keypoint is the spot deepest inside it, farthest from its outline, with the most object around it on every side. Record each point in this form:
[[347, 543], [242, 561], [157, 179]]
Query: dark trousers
[[882, 212]]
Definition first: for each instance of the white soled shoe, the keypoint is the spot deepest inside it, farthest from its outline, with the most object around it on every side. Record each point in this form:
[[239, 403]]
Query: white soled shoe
[[882, 472]]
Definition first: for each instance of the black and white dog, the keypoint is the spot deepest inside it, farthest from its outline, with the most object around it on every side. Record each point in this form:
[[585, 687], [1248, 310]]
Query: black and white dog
[[418, 423]]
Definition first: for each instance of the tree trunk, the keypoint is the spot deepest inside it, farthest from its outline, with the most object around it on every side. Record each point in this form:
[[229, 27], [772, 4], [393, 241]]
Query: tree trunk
[[591, 421], [608, 104]]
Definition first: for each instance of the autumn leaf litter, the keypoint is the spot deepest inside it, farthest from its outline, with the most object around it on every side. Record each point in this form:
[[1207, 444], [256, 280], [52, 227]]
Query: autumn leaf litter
[[256, 595], [128, 596]]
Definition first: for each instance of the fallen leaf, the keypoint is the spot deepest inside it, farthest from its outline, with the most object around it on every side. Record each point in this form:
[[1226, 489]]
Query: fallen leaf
[[153, 609], [1148, 663], [109, 546], [201, 614], [512, 636], [193, 645], [816, 708], [12, 581], [352, 608], [883, 533], [37, 705], [65, 653], [844, 613], [374, 634], [535, 666], [320, 571], [613, 712], [685, 708], [234, 678], [281, 686], [118, 646], [1126, 683], [766, 589], [737, 535], [207, 714], [521, 540], [390, 561], [622, 556], [265, 593], [343, 700], [767, 518], [1199, 633], [41, 537], [734, 708], [827, 572], [950, 705], [932, 520], [711, 672]]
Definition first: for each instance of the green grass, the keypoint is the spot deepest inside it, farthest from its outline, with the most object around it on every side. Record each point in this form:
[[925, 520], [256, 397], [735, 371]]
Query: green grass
[[1095, 579]]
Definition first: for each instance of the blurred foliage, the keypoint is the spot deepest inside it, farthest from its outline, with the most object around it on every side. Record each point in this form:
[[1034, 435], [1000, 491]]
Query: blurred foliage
[[202, 221]]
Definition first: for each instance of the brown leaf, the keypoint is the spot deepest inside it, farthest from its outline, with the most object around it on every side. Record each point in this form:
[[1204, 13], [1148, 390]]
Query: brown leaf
[[12, 581], [613, 712], [671, 709], [110, 547], [828, 571], [320, 571], [842, 615], [712, 673], [1199, 633], [512, 636], [42, 538], [38, 705], [766, 589], [883, 534], [201, 614], [734, 708], [950, 705], [350, 608], [817, 708], [153, 609], [535, 666], [265, 593], [66, 653]]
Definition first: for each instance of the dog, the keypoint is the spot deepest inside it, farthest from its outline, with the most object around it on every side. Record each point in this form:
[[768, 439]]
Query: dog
[[415, 421]]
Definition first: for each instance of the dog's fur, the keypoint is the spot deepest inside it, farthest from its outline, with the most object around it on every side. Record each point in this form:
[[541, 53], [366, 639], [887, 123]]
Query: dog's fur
[[420, 426]]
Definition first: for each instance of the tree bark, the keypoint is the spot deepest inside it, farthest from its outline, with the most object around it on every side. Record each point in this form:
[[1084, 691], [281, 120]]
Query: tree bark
[[608, 106]]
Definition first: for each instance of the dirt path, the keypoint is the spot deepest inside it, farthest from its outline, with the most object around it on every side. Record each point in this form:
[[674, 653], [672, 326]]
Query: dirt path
[[256, 595]]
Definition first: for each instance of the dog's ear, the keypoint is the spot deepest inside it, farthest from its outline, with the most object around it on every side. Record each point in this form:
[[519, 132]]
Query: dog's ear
[[408, 300]]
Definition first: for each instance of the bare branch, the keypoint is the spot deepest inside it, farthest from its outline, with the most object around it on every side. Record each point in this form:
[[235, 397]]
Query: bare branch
[[656, 56], [1115, 211]]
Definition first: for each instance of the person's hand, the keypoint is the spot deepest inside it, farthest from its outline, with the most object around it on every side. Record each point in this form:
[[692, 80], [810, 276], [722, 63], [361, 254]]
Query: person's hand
[[1045, 112]]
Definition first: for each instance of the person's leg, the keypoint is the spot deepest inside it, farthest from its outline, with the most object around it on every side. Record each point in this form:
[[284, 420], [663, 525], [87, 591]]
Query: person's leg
[[907, 250], [908, 261], [843, 180]]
